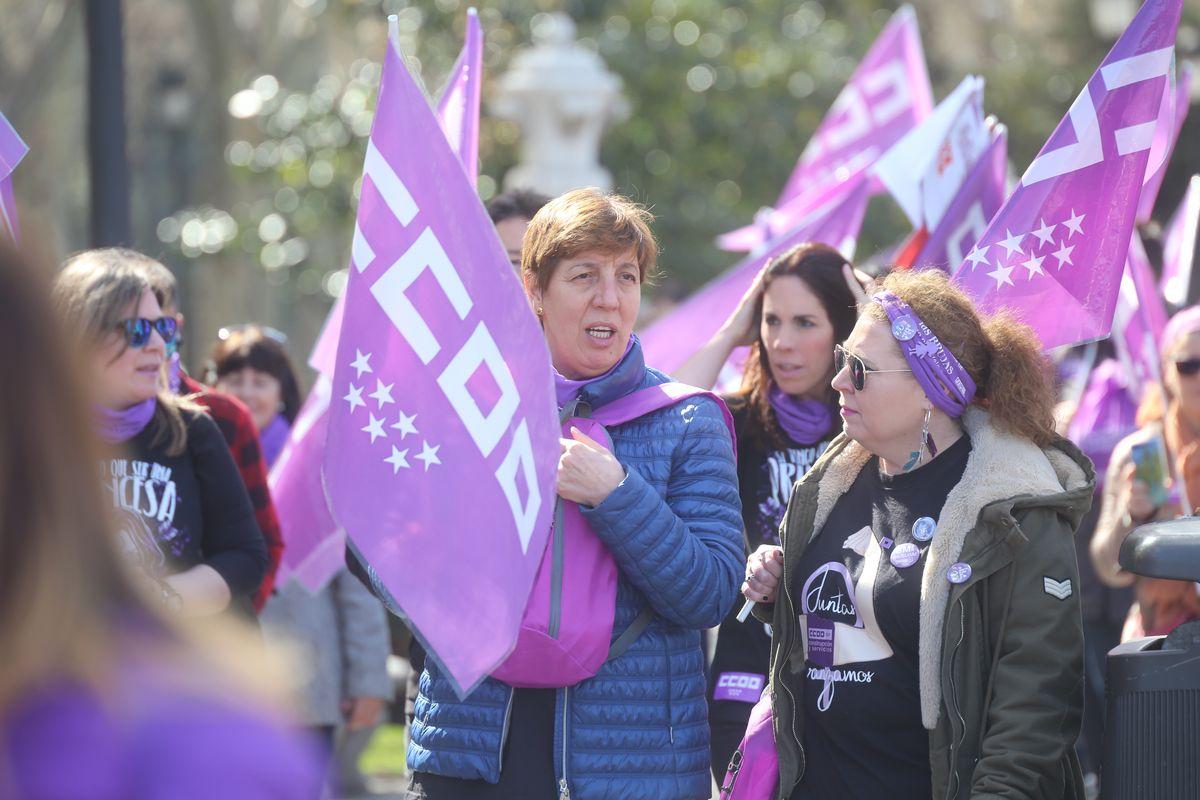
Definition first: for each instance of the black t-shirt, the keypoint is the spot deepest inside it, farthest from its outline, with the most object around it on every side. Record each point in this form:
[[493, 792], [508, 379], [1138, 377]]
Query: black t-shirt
[[176, 512], [765, 479], [860, 580]]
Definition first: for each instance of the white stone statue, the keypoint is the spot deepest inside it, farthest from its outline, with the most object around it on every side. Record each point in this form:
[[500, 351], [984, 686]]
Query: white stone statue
[[563, 97]]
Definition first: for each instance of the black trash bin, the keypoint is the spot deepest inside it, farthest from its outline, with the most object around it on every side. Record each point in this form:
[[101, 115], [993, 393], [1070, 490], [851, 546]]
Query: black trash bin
[[1152, 738]]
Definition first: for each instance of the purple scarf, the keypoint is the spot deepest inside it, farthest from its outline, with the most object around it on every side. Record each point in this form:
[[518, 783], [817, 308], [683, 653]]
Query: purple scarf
[[804, 421], [566, 389], [273, 437], [121, 426]]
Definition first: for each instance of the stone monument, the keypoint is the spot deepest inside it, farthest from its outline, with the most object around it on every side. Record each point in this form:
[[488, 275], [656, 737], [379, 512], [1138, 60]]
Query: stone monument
[[563, 97]]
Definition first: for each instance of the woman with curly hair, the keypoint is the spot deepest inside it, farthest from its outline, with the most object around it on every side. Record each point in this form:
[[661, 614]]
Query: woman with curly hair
[[925, 598]]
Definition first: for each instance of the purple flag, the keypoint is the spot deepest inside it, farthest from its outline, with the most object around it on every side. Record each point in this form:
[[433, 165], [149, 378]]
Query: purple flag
[[443, 434], [1139, 318], [887, 96], [458, 110], [1173, 110], [12, 150], [315, 543], [973, 206], [671, 340], [1055, 252], [1107, 413], [1179, 247]]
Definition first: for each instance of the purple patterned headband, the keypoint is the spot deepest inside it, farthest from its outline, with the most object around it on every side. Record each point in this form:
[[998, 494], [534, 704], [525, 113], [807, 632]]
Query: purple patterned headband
[[944, 380]]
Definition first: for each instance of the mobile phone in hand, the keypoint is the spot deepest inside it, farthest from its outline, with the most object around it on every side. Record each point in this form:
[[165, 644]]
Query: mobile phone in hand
[[1150, 467]]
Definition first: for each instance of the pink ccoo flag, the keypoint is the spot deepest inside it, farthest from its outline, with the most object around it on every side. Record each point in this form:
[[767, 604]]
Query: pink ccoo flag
[[443, 433], [1055, 252], [1179, 247], [315, 542], [671, 340], [315, 545], [1139, 318], [1172, 111], [12, 150], [886, 97], [458, 109]]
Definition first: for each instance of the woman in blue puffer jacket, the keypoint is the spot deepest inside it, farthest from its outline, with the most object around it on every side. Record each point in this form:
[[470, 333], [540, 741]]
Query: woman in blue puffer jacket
[[665, 503]]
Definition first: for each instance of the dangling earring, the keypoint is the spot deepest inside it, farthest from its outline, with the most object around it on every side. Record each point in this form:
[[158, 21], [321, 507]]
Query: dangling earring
[[914, 458]]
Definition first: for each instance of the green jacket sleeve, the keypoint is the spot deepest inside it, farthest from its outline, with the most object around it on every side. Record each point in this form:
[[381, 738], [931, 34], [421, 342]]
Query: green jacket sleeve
[[1036, 702]]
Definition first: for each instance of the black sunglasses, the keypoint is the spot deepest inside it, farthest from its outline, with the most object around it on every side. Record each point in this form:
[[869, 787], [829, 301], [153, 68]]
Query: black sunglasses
[[858, 370], [137, 330], [1188, 367]]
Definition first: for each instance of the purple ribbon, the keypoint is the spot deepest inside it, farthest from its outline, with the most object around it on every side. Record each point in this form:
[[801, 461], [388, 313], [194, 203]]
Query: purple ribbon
[[944, 380], [121, 426], [804, 421]]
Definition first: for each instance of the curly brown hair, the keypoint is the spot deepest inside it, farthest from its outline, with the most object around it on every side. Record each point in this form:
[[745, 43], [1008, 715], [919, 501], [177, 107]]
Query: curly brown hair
[[819, 267], [1001, 354]]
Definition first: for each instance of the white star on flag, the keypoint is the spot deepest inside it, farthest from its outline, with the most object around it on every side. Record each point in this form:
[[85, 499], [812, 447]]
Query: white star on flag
[[405, 425], [1044, 233], [398, 459], [354, 398], [375, 428], [429, 455], [1074, 224], [382, 393], [1013, 243], [1063, 254], [1034, 265], [361, 362], [1002, 275], [978, 255]]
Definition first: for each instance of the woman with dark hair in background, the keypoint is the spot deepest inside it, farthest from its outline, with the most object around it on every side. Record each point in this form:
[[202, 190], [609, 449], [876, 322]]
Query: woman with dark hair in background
[[172, 471], [799, 307], [341, 630], [101, 697]]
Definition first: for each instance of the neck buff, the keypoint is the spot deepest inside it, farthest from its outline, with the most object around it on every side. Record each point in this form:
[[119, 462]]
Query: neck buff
[[804, 421], [566, 389], [273, 437], [946, 383], [121, 426]]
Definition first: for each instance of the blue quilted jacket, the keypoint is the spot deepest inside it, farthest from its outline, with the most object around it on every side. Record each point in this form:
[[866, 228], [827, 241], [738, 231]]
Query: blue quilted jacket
[[639, 728]]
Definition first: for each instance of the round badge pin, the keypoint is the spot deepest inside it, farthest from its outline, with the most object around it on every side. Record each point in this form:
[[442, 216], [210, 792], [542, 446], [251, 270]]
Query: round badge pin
[[905, 555], [923, 529], [959, 573], [904, 329]]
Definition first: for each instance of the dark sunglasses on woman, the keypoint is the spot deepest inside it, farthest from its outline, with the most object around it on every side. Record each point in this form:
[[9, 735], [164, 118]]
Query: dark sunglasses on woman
[[858, 370], [1188, 367], [137, 330]]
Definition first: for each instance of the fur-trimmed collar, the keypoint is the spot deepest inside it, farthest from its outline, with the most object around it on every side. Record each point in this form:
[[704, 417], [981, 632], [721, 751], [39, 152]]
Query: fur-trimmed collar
[[1001, 468]]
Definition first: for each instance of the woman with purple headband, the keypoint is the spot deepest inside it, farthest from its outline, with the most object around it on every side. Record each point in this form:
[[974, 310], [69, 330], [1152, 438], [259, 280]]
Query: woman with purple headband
[[927, 634]]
